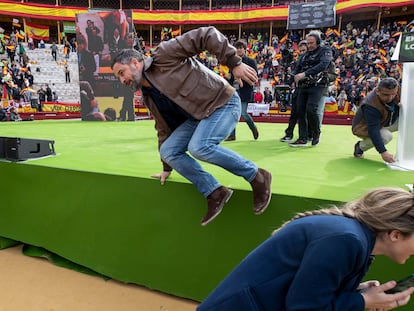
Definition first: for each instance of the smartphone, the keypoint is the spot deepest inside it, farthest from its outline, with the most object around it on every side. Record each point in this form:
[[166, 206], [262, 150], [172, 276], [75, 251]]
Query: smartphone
[[402, 285]]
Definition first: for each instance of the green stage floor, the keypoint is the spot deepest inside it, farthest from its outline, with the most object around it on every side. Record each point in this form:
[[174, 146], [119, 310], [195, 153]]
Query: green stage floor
[[327, 171]]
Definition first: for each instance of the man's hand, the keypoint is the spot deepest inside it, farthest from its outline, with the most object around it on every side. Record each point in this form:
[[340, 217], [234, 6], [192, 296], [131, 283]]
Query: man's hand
[[387, 157], [299, 76], [246, 73], [162, 176]]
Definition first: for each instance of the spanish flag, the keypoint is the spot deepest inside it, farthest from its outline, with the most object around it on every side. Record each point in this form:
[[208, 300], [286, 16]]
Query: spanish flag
[[399, 68], [384, 59], [38, 32], [224, 70], [252, 55], [203, 55], [19, 36], [331, 107], [329, 32], [352, 51], [175, 33], [277, 56], [16, 23], [283, 39], [275, 81]]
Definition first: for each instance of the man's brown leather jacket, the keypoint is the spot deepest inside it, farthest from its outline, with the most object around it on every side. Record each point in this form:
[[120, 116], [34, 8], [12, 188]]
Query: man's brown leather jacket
[[174, 71]]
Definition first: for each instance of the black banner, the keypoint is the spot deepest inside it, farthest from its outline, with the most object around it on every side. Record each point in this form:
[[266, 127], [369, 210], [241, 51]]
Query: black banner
[[311, 15]]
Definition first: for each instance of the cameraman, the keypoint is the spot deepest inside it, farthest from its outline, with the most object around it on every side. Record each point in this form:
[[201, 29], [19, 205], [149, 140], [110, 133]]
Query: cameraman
[[311, 80]]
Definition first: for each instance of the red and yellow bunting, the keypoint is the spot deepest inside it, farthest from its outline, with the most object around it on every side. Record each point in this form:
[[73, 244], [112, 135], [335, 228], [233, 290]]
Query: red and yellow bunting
[[187, 17]]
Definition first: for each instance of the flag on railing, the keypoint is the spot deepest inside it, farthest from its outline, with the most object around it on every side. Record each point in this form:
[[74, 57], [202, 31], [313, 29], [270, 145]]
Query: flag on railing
[[38, 32]]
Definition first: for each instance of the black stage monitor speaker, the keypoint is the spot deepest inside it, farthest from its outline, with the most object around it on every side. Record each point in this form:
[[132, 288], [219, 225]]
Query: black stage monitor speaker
[[19, 149]]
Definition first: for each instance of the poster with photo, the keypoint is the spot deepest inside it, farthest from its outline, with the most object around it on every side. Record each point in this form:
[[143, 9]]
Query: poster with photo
[[100, 36]]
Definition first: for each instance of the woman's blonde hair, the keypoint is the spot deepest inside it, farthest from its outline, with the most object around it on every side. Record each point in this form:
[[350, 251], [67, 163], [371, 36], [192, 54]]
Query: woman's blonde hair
[[381, 209]]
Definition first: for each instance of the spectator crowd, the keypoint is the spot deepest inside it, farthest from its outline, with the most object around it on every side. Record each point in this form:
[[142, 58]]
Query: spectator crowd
[[16, 78], [362, 55]]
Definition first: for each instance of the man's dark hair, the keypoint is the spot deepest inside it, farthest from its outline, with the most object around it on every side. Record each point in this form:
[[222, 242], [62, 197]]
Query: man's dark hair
[[110, 114], [387, 83], [239, 44], [125, 57]]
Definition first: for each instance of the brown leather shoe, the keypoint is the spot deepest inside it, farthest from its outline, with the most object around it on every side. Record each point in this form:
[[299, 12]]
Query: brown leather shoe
[[262, 192], [255, 133], [216, 201], [230, 138]]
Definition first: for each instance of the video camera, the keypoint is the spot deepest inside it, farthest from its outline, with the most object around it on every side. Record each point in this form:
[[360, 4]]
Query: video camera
[[282, 96], [318, 79]]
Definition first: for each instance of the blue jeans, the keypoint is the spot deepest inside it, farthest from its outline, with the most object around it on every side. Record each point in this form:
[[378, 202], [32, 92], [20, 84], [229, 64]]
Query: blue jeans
[[246, 117], [201, 138]]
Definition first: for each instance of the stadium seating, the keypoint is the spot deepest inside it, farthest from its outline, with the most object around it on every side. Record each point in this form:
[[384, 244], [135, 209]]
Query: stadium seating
[[46, 70]]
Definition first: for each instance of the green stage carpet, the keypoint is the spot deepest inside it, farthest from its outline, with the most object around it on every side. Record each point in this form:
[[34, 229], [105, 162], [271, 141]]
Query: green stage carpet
[[95, 204], [327, 171]]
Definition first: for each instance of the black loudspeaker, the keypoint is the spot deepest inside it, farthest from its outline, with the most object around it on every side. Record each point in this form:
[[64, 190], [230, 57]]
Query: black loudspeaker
[[20, 149]]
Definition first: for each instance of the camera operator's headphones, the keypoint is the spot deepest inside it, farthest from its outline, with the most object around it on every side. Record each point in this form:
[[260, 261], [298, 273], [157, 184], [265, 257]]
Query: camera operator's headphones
[[317, 36]]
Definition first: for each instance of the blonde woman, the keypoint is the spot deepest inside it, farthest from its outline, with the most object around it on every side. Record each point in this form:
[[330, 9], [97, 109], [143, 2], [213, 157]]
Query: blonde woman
[[317, 260]]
